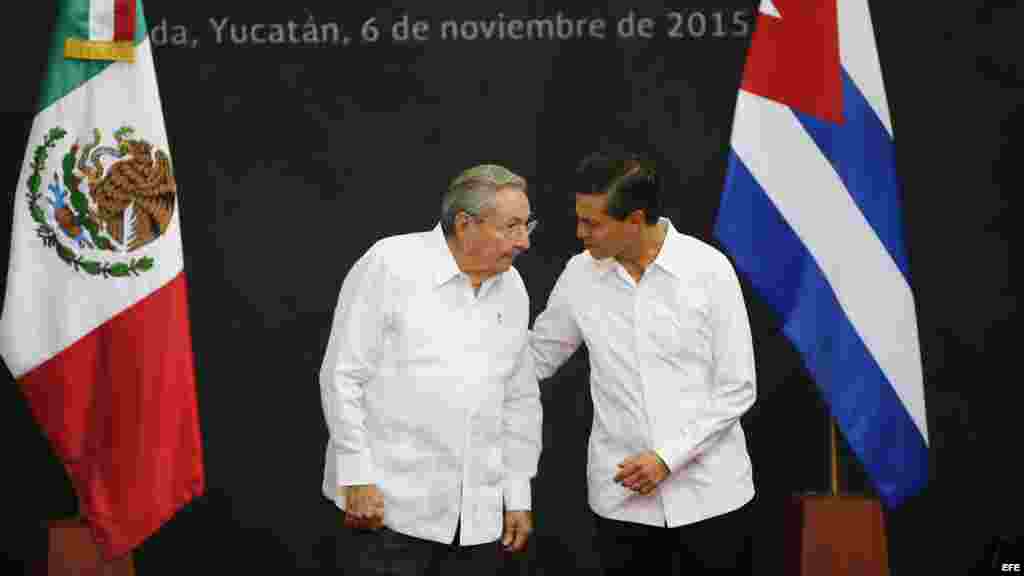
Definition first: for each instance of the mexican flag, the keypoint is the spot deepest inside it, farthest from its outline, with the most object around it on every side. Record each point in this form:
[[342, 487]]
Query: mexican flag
[[95, 325]]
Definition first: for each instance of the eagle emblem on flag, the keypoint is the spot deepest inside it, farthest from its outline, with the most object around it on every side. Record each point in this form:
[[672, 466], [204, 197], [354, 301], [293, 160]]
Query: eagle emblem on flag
[[104, 203]]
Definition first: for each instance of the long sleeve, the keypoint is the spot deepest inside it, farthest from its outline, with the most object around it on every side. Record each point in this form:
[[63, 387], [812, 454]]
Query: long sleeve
[[521, 420], [555, 335], [733, 386], [350, 364]]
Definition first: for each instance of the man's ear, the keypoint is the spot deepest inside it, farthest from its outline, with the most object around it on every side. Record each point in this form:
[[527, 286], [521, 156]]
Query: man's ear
[[637, 217], [461, 221]]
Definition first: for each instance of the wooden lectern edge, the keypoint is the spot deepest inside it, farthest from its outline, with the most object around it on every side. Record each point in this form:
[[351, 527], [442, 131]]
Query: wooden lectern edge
[[71, 549], [839, 535]]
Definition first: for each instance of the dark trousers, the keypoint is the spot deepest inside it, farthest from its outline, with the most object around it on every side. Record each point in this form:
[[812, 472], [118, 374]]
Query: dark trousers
[[718, 545], [385, 552]]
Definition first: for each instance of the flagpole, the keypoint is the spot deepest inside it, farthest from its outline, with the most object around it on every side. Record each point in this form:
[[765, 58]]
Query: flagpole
[[834, 449]]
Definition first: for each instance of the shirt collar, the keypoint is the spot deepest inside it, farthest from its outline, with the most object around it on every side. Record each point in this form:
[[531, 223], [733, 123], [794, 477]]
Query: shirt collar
[[669, 258], [602, 267], [446, 267]]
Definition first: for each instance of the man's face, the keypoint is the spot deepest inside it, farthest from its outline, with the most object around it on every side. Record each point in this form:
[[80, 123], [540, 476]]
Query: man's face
[[501, 233], [601, 234]]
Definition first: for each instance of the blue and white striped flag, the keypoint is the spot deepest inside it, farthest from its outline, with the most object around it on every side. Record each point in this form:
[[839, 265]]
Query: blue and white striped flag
[[811, 215]]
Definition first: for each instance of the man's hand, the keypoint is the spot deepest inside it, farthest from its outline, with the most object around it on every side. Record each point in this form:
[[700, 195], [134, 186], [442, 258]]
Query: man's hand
[[364, 507], [642, 473], [518, 526]]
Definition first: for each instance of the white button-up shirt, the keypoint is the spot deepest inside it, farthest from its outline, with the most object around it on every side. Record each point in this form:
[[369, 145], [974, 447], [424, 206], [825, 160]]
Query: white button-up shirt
[[671, 370], [429, 391]]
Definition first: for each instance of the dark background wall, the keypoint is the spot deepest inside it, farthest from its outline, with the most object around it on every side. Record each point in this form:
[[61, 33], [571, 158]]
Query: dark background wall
[[292, 160]]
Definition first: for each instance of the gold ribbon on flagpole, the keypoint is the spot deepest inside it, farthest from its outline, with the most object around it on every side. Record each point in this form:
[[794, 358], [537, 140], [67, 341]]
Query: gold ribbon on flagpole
[[79, 49]]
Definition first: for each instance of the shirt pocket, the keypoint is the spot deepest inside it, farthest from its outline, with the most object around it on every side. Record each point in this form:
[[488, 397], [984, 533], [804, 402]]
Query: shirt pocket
[[423, 332], [505, 346], [681, 333], [400, 456]]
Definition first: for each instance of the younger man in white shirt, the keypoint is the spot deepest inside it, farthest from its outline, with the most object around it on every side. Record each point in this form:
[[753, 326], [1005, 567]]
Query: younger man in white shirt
[[671, 373]]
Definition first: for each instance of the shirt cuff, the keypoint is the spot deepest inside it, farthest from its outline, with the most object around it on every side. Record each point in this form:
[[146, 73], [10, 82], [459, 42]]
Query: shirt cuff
[[516, 494], [355, 469]]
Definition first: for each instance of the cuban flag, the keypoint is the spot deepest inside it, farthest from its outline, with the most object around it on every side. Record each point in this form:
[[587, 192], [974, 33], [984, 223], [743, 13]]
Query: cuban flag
[[811, 215]]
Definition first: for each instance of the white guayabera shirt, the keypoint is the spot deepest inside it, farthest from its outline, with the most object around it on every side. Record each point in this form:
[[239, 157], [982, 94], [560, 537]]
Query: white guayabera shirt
[[429, 391], [671, 370]]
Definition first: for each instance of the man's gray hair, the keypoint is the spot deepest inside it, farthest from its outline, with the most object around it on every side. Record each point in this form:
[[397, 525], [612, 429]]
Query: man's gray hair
[[473, 191]]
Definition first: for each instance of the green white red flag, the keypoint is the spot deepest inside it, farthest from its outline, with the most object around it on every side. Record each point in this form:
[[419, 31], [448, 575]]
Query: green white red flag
[[95, 325]]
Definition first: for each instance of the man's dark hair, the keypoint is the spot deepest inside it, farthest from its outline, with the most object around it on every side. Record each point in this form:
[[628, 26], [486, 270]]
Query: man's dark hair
[[630, 181]]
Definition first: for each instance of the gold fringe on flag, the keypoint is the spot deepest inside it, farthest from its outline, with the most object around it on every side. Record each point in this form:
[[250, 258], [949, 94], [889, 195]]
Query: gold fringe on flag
[[79, 49]]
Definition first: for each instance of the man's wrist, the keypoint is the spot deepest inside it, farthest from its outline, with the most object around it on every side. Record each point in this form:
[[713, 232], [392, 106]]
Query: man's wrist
[[662, 462]]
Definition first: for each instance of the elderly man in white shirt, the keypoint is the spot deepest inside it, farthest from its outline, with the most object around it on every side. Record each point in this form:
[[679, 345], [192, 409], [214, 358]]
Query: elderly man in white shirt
[[671, 373], [429, 390]]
